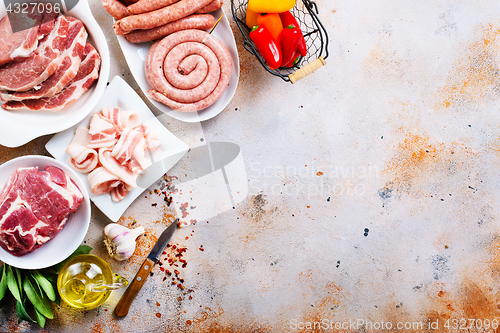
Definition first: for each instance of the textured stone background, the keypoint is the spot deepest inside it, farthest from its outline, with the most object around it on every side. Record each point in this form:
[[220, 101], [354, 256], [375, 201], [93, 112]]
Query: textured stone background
[[372, 186]]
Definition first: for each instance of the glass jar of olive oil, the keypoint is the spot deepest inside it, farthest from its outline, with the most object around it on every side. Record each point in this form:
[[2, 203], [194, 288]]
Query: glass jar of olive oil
[[86, 281]]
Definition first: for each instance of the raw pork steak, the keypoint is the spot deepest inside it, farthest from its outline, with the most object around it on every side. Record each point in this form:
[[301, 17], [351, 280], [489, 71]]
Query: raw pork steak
[[87, 75], [34, 206]]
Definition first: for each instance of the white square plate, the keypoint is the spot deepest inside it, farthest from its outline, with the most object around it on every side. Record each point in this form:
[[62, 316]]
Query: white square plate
[[120, 94]]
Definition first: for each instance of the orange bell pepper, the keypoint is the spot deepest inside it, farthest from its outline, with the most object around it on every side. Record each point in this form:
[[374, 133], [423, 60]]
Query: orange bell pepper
[[272, 22], [251, 18]]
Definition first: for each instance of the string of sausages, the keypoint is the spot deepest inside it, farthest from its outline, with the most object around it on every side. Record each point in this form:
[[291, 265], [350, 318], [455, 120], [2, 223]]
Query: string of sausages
[[148, 20]]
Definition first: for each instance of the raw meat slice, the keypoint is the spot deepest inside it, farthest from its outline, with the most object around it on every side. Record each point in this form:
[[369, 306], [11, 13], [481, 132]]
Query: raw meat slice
[[19, 45], [102, 181], [87, 75], [65, 72], [68, 34], [34, 207], [82, 158]]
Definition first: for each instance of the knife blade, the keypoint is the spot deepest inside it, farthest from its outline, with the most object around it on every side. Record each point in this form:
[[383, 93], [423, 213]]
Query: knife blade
[[135, 286]]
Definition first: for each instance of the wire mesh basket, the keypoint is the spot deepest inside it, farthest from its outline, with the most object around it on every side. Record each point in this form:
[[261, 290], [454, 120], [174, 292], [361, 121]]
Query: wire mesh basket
[[306, 13]]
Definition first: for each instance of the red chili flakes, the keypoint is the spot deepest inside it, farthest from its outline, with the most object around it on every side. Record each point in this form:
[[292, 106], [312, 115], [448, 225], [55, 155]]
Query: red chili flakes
[[154, 204], [158, 315], [187, 237], [188, 322], [190, 297], [179, 285], [158, 304], [162, 269], [319, 173], [179, 299]]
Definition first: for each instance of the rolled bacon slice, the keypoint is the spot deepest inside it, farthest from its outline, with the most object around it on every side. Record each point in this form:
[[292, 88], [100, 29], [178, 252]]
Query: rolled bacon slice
[[122, 118], [112, 165], [102, 181], [82, 158], [103, 132], [125, 146]]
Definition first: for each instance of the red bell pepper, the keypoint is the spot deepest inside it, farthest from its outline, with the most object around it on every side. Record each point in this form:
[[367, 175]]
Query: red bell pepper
[[288, 19], [291, 38], [267, 46]]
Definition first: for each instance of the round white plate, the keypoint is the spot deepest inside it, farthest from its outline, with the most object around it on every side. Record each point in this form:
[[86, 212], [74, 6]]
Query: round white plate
[[20, 127], [71, 235], [135, 55]]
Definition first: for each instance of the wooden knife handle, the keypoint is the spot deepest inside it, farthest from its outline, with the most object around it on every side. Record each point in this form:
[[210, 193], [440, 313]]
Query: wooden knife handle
[[133, 289]]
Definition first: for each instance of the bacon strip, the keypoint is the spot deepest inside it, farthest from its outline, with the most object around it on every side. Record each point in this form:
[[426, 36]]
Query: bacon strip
[[82, 158]]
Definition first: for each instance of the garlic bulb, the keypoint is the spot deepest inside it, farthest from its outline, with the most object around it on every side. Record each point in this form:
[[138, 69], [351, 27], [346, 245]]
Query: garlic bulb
[[120, 240]]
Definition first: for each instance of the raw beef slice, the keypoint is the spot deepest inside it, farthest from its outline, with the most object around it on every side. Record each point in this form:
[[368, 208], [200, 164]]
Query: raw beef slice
[[34, 207]]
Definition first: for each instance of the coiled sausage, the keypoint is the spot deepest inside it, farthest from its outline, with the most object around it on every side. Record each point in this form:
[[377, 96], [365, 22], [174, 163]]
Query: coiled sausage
[[172, 70]]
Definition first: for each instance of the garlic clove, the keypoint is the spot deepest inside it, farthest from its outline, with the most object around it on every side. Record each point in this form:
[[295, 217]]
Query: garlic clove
[[120, 240]]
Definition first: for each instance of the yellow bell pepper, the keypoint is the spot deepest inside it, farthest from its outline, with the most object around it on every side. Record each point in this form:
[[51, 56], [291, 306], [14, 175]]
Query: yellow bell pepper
[[251, 18], [270, 6]]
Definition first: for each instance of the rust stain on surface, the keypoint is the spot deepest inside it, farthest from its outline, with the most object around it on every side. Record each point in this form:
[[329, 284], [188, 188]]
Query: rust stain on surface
[[475, 74], [323, 308], [419, 162], [468, 301]]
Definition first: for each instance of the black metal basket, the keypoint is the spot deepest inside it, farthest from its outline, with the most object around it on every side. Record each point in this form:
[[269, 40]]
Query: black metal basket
[[305, 11]]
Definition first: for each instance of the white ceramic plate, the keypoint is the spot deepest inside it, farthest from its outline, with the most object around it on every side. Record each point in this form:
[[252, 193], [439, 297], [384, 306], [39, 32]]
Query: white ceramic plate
[[20, 127], [120, 94], [135, 54], [71, 235]]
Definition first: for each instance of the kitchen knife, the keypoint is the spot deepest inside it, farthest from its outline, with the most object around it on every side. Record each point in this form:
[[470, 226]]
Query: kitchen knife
[[135, 286]]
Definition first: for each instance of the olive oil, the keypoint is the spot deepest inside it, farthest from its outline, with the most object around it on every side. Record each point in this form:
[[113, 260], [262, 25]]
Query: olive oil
[[81, 279]]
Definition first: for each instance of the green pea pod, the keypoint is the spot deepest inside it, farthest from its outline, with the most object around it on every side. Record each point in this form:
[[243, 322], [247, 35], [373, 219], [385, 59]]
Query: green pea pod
[[3, 283], [22, 313], [40, 318], [44, 284], [41, 303], [12, 284]]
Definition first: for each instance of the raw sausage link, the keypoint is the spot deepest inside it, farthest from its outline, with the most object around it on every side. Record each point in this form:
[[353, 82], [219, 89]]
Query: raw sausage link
[[159, 17], [176, 53], [115, 8], [144, 6], [198, 21], [213, 6]]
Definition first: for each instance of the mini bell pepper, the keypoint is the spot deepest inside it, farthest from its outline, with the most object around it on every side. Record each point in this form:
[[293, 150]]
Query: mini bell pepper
[[291, 38], [288, 19], [270, 6], [272, 22], [292, 62], [251, 18], [267, 46]]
